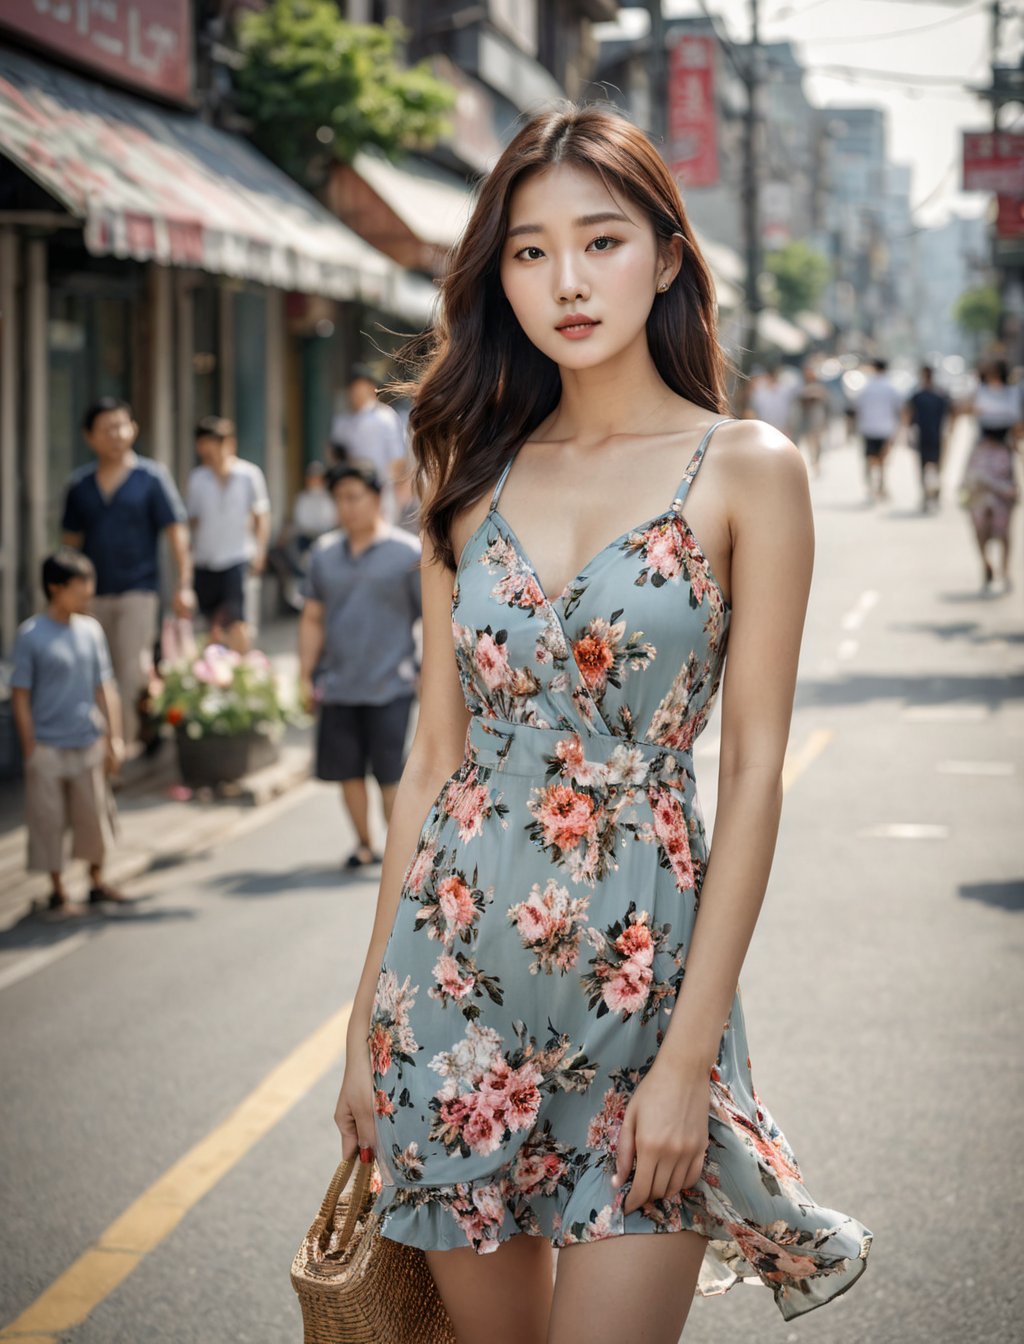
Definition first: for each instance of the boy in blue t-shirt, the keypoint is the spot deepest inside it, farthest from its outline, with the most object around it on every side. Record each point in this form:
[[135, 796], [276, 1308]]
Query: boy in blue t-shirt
[[68, 715]]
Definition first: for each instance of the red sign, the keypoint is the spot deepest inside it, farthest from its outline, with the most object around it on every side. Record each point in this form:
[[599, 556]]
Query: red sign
[[1010, 219], [994, 161], [692, 121], [147, 43]]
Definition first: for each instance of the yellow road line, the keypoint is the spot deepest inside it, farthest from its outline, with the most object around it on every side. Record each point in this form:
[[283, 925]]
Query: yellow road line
[[143, 1225], [794, 765]]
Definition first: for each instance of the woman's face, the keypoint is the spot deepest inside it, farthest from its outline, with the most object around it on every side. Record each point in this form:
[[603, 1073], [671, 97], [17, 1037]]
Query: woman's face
[[580, 266]]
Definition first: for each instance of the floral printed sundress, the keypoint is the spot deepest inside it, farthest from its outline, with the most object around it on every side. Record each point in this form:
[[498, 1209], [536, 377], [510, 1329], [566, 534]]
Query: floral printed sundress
[[541, 934]]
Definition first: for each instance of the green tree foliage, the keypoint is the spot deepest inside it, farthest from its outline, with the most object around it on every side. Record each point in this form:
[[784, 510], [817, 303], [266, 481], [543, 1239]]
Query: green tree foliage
[[800, 274], [318, 88], [978, 310]]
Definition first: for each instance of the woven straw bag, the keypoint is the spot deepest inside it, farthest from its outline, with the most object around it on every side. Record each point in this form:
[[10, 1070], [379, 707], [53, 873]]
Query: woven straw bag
[[357, 1287]]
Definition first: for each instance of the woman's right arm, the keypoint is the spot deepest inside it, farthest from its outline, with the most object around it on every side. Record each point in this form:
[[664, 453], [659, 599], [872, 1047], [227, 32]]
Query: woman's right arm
[[437, 751]]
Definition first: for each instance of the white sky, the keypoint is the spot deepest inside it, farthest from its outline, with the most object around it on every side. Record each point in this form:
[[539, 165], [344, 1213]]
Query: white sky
[[924, 122]]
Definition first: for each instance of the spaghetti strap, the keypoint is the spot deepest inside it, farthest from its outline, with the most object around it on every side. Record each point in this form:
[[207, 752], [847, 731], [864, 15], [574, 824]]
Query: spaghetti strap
[[496, 493], [694, 466]]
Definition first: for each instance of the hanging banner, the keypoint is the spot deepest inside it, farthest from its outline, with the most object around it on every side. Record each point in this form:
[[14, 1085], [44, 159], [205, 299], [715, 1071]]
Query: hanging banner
[[692, 121], [994, 161]]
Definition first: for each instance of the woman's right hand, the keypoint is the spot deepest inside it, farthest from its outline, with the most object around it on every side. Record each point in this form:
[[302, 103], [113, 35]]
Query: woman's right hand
[[354, 1112]]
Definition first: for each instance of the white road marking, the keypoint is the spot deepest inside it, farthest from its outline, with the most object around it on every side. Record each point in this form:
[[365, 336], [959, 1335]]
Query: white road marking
[[946, 713], [905, 830], [847, 649], [854, 618], [1000, 769], [37, 961]]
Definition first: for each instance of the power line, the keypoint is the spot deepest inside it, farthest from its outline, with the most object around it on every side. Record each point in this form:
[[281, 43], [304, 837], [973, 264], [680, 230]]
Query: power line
[[970, 12]]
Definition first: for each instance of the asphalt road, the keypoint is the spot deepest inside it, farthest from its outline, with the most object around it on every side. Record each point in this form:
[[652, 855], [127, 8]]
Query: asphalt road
[[882, 994]]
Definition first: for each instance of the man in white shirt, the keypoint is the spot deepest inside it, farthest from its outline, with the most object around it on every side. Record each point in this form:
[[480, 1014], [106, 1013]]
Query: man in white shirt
[[879, 408], [313, 514], [372, 433], [229, 513]]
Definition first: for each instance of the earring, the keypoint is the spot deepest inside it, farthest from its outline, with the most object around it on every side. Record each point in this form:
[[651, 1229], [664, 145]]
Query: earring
[[662, 287]]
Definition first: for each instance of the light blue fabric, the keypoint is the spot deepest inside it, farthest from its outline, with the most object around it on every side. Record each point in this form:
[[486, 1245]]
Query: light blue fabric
[[63, 666], [544, 921]]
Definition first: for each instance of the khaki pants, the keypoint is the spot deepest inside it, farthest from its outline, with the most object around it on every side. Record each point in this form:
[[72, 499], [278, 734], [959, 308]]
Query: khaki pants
[[129, 623], [67, 786]]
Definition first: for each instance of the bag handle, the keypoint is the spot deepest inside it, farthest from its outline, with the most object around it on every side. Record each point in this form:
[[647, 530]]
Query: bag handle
[[357, 1201]]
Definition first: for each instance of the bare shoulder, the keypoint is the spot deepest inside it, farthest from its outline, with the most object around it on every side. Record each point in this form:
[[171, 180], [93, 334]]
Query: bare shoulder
[[759, 468]]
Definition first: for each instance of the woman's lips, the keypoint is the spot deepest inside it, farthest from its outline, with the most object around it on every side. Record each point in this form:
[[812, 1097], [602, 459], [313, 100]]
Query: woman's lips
[[576, 331]]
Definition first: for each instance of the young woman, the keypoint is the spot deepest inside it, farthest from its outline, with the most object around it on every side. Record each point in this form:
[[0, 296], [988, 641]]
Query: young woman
[[990, 489], [555, 953]]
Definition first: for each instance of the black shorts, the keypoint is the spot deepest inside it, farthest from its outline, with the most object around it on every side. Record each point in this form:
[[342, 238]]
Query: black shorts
[[220, 593], [929, 450], [874, 447], [350, 738]]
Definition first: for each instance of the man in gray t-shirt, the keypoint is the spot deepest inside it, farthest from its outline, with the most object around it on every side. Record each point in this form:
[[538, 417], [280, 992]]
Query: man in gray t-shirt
[[372, 433], [357, 652]]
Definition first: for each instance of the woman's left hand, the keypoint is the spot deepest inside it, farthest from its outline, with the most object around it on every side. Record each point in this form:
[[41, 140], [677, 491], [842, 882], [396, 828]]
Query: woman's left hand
[[665, 1131]]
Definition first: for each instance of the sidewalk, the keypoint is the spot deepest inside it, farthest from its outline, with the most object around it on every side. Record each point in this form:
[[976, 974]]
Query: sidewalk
[[155, 829]]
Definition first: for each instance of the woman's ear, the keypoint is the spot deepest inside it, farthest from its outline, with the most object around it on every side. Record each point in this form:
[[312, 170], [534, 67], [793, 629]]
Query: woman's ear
[[670, 259]]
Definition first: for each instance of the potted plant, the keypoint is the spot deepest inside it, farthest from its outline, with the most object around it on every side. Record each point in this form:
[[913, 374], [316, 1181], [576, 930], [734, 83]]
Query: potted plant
[[227, 711]]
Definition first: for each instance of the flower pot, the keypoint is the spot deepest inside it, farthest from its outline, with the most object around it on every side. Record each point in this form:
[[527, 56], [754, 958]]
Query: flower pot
[[221, 758]]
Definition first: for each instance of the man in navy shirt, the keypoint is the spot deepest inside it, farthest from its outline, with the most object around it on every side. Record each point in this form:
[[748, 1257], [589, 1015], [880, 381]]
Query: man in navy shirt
[[929, 410], [115, 510]]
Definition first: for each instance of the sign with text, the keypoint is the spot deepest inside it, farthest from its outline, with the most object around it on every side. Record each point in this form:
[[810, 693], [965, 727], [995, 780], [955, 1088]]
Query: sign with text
[[994, 161], [692, 122], [146, 43]]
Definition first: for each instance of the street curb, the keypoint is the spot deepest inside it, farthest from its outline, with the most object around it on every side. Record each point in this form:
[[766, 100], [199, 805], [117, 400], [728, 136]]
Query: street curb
[[208, 817]]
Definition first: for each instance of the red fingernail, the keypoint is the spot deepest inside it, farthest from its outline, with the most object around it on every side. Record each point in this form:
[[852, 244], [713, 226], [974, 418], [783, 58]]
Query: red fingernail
[[365, 1154]]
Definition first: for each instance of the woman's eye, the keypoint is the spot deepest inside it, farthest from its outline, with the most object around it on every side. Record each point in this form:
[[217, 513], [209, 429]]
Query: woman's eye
[[529, 253], [604, 244]]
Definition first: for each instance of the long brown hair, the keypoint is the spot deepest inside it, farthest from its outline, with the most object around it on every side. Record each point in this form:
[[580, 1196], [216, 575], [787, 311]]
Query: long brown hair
[[485, 386]]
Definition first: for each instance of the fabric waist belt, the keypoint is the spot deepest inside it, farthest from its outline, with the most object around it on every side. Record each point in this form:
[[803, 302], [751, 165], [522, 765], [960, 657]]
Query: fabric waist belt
[[600, 760]]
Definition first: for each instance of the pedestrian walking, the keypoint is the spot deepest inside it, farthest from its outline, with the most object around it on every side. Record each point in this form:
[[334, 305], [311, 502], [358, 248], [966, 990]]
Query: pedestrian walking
[[536, 1052], [357, 653], [812, 406], [229, 512], [989, 490], [115, 511], [313, 514], [927, 411], [772, 400], [371, 432], [878, 408], [68, 717]]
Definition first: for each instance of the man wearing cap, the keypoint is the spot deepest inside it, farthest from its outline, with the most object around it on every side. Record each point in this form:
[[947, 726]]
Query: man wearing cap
[[372, 432], [357, 651]]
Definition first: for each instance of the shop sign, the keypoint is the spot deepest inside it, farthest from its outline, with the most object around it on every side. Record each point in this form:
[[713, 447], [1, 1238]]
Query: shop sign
[[1010, 217], [994, 161], [692, 122], [144, 43]]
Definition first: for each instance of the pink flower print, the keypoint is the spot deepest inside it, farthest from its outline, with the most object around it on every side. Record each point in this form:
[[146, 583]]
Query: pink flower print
[[450, 981], [531, 596], [661, 545], [483, 1131], [421, 865], [536, 1171], [382, 1104], [603, 1130], [637, 943], [491, 661], [467, 801], [674, 836], [521, 1089], [594, 654], [456, 902], [380, 1048], [565, 816], [627, 989], [547, 922]]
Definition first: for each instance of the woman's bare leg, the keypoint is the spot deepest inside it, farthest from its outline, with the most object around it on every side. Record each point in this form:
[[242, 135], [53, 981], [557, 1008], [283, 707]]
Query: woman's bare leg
[[636, 1287], [503, 1297]]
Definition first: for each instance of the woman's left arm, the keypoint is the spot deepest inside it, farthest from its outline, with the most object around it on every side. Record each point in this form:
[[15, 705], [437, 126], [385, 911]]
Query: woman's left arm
[[772, 555]]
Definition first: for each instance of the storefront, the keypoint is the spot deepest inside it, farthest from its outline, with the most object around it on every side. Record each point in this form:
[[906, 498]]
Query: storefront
[[148, 255]]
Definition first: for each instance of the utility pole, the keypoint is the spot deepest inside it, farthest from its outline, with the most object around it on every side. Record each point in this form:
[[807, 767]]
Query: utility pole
[[751, 203], [657, 75]]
